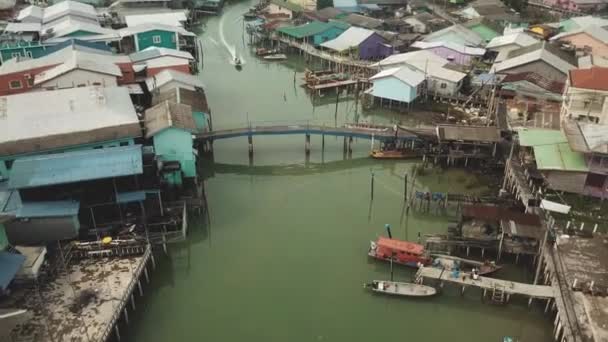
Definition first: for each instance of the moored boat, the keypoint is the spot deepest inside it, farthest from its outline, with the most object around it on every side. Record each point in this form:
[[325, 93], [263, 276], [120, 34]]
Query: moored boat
[[250, 15], [237, 63], [402, 252], [401, 289], [394, 154], [465, 265], [275, 57], [265, 52]]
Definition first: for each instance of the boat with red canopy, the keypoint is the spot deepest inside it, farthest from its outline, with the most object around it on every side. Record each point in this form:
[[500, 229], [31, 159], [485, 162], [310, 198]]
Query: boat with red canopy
[[402, 252]]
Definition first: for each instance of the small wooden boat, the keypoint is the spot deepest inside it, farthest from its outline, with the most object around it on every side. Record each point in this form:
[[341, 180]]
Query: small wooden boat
[[465, 265], [275, 57], [401, 289], [265, 52], [394, 154], [402, 252]]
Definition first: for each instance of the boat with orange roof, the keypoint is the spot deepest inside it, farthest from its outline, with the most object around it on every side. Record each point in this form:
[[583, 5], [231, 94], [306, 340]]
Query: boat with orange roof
[[402, 252]]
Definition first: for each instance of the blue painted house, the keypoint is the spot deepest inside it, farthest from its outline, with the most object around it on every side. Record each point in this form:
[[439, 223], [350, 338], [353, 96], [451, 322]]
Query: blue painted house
[[315, 32], [401, 84], [170, 125], [140, 37]]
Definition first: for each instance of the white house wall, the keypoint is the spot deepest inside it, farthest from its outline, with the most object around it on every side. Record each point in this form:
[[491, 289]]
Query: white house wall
[[77, 78]]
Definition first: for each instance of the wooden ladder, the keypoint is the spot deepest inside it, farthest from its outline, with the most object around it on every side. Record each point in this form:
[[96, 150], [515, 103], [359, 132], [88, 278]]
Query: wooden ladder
[[498, 295]]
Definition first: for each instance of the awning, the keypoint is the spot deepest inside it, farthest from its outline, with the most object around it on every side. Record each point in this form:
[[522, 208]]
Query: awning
[[72, 167], [555, 207], [10, 263], [48, 209], [131, 196]]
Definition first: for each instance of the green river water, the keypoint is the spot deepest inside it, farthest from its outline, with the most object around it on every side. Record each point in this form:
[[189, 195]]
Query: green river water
[[284, 257]]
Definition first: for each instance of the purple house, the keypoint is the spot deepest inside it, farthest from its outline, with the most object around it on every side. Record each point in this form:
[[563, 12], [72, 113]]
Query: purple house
[[453, 52], [360, 43]]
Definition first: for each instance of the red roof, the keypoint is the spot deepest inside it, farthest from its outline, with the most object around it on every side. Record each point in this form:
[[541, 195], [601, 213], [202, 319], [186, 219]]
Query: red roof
[[398, 245], [595, 78], [534, 78]]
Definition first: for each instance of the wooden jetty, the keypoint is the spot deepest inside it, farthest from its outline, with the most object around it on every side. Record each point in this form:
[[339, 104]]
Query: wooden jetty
[[501, 290]]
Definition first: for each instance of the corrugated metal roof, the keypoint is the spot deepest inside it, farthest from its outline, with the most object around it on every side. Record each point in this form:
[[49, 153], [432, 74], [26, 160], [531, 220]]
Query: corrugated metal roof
[[537, 136], [559, 157], [519, 38], [193, 98], [463, 49], [69, 25], [74, 63], [497, 213], [311, 29], [593, 31], [42, 121], [31, 11], [362, 21], [288, 4], [10, 263], [594, 78], [175, 19], [419, 57], [23, 27], [48, 209], [586, 137], [78, 166], [405, 74], [554, 87], [467, 35], [349, 39], [169, 114], [468, 133], [68, 7], [169, 75], [155, 52], [533, 53]]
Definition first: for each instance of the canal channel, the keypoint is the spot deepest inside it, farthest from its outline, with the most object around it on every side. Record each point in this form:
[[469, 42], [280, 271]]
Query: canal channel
[[284, 255]]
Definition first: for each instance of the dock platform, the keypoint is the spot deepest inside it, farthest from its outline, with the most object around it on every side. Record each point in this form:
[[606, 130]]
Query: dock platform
[[486, 283]]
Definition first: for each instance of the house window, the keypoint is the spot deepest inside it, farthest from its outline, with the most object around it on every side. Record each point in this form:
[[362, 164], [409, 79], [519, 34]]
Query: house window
[[9, 164], [443, 85], [156, 39], [124, 143], [16, 84], [29, 54], [15, 54]]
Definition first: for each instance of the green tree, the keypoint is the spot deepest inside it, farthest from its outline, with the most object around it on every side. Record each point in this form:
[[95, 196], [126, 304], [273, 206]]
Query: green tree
[[324, 3]]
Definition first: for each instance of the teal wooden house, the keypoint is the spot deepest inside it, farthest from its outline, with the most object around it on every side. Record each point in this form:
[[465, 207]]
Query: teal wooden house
[[315, 32], [397, 84], [21, 49], [170, 126], [140, 37]]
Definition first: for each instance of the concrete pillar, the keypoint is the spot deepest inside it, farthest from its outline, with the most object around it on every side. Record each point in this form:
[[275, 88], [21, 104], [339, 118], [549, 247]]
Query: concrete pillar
[[132, 301], [141, 291], [117, 332], [146, 274], [126, 315]]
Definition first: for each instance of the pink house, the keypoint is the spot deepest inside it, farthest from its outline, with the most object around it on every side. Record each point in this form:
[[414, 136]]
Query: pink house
[[592, 40], [453, 52]]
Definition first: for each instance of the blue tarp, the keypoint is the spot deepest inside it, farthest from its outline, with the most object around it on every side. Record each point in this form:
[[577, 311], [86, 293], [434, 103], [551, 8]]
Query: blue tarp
[[48, 209], [10, 263], [72, 167]]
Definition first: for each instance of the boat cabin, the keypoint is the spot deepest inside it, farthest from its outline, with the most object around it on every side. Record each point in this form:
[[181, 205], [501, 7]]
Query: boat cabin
[[403, 251]]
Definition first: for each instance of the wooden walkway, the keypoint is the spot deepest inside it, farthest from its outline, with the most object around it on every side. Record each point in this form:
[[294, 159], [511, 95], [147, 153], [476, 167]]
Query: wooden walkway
[[485, 283], [382, 134], [311, 50]]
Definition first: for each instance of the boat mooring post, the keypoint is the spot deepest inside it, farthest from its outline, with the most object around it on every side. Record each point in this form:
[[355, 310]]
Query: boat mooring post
[[372, 186], [307, 144], [405, 187], [392, 256]]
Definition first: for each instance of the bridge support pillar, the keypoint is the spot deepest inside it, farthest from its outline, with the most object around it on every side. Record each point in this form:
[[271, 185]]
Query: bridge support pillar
[[307, 144], [322, 142]]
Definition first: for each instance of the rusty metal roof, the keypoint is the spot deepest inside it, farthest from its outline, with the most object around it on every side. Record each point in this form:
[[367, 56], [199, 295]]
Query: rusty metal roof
[[468, 133], [495, 213]]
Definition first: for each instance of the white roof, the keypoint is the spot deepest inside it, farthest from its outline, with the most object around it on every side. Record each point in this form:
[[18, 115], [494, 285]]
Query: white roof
[[170, 19], [462, 49], [586, 62], [68, 7], [131, 30], [70, 25], [405, 74], [554, 206], [594, 31], [109, 37], [519, 38], [45, 113], [31, 11], [350, 38], [22, 27], [539, 54], [424, 61], [169, 75], [58, 57], [156, 52], [78, 61], [588, 20], [468, 36], [419, 57]]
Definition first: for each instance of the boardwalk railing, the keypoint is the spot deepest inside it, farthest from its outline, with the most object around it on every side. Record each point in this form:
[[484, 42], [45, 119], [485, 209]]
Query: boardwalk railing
[[355, 131]]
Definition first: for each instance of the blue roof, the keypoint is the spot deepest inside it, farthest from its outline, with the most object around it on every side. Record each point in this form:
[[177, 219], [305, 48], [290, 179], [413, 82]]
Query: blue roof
[[10, 263], [48, 209], [77, 43], [78, 166]]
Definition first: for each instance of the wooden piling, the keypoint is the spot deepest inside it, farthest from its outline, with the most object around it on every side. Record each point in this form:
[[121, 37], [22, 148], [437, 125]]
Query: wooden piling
[[372, 186]]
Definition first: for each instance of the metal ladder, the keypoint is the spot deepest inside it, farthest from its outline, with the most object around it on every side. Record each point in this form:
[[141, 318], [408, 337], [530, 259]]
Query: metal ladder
[[498, 295]]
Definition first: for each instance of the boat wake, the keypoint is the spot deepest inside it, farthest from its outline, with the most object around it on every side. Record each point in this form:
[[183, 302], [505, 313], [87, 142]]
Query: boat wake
[[213, 41], [230, 48]]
